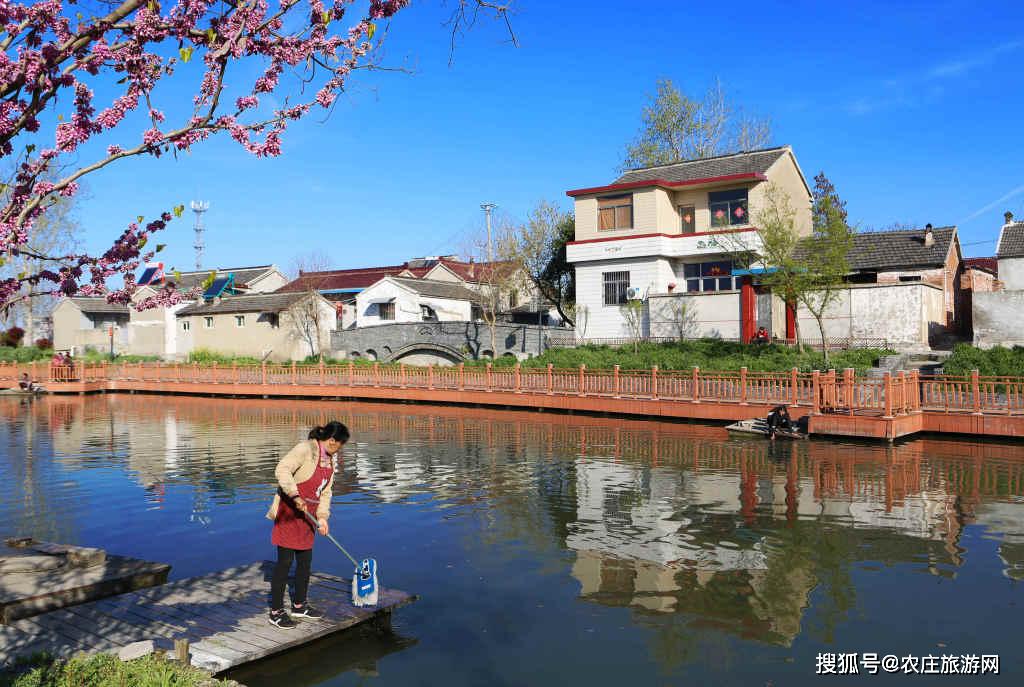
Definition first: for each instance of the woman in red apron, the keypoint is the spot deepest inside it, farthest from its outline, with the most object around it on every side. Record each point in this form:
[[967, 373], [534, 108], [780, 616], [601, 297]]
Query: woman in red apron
[[304, 479]]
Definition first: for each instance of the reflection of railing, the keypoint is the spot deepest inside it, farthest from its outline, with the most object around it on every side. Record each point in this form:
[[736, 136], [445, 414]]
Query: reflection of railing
[[820, 392]]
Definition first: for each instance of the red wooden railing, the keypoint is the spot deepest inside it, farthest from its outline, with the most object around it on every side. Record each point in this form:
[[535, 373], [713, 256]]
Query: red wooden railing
[[821, 392]]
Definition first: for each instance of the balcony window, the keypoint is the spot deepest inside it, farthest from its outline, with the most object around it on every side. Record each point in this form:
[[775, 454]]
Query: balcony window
[[728, 208], [387, 311], [186, 326], [708, 277], [688, 218], [615, 213], [615, 286], [208, 322]]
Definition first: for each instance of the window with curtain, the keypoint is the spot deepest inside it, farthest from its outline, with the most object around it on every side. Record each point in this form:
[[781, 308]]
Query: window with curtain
[[386, 311], [615, 286], [728, 208], [709, 276], [615, 213], [688, 218]]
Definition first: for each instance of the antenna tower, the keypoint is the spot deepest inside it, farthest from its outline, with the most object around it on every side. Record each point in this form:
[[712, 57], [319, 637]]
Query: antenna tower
[[199, 207]]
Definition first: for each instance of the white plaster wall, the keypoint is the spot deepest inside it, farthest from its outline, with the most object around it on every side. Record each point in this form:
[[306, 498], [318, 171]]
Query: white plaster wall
[[715, 315], [407, 305], [902, 314], [1011, 273], [600, 321], [998, 318]]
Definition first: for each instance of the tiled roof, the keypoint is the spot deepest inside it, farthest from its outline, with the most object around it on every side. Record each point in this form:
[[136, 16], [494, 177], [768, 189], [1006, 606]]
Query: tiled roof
[[987, 264], [99, 305], [753, 162], [258, 302], [360, 278], [1011, 241], [194, 278], [882, 250], [438, 289]]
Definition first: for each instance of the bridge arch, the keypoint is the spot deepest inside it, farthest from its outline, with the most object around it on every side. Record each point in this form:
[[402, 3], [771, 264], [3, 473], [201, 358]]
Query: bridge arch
[[425, 352]]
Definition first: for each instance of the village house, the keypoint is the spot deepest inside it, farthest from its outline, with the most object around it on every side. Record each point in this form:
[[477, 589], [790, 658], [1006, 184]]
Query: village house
[[674, 229], [89, 323], [404, 299], [515, 296], [672, 237], [270, 326], [997, 314]]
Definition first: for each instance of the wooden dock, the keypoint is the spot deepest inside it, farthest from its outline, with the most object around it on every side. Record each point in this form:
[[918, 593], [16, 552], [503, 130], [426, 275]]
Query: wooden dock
[[36, 577], [223, 616]]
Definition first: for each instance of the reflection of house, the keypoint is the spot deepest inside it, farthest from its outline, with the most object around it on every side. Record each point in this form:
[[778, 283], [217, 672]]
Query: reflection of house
[[271, 326], [997, 315], [152, 331]]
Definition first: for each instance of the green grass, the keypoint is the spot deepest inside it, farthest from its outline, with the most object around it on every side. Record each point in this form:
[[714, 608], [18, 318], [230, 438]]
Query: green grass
[[707, 354], [997, 361], [102, 670]]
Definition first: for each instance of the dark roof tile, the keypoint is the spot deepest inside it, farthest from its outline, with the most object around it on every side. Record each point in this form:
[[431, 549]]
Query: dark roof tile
[[259, 302], [98, 305], [1011, 241], [876, 251], [753, 162]]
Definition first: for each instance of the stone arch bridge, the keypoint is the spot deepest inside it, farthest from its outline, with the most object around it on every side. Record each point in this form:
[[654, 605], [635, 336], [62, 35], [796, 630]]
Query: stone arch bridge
[[444, 343]]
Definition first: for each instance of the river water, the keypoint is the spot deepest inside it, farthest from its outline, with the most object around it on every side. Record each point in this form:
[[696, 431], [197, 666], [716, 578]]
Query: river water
[[554, 549]]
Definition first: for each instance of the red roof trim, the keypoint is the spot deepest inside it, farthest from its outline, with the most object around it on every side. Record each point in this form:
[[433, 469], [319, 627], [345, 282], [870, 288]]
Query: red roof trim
[[668, 236], [756, 176]]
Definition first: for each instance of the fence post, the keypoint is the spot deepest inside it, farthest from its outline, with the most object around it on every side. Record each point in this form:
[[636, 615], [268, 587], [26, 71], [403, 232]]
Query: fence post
[[654, 382], [401, 375], [376, 373], [743, 386], [888, 394], [902, 377], [430, 375], [195, 371], [234, 372], [848, 381], [489, 381], [214, 374], [462, 376], [618, 382], [915, 387], [696, 384], [519, 379], [976, 392], [816, 392], [551, 385], [321, 373], [794, 390], [32, 366], [263, 372], [580, 388], [293, 372], [351, 372]]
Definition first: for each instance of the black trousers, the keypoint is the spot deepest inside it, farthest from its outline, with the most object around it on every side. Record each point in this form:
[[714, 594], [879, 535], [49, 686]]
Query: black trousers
[[303, 564]]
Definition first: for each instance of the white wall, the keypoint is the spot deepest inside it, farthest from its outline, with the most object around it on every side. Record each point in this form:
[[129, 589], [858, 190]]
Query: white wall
[[1011, 273], [600, 321], [715, 315], [407, 305], [900, 313]]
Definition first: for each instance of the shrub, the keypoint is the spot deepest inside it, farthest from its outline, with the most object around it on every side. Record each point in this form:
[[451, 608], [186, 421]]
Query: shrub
[[13, 336], [102, 669], [996, 361]]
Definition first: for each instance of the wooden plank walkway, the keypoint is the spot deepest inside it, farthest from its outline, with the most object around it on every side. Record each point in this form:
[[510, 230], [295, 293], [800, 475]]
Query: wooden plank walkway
[[223, 615]]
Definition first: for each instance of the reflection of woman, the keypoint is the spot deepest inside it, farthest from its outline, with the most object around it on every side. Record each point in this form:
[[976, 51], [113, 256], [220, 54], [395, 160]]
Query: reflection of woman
[[304, 478]]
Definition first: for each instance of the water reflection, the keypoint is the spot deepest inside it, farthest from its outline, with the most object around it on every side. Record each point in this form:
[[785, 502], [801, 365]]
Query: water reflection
[[710, 543]]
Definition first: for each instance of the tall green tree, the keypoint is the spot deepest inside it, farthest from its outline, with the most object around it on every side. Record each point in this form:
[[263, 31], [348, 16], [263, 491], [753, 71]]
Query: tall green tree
[[538, 248], [677, 127], [823, 256]]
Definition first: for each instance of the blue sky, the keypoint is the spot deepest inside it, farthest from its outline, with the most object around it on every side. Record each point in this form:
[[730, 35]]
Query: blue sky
[[914, 110]]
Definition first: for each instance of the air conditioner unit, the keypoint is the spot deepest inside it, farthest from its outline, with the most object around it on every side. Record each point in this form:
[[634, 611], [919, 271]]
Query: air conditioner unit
[[635, 293]]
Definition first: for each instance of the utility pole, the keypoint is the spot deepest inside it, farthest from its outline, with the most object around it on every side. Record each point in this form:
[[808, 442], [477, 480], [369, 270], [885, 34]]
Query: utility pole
[[487, 207]]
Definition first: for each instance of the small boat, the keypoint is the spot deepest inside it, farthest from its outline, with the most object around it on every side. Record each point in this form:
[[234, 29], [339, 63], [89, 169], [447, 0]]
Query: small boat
[[22, 392], [759, 426]]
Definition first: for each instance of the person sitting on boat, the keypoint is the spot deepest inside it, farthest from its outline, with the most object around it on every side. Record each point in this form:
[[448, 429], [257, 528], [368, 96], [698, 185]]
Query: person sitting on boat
[[27, 384], [778, 419]]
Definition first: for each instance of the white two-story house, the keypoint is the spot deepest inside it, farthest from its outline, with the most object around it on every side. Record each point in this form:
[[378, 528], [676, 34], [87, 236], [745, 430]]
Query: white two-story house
[[666, 235]]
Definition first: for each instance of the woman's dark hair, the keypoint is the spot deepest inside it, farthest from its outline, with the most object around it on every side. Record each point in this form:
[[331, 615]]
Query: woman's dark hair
[[332, 430]]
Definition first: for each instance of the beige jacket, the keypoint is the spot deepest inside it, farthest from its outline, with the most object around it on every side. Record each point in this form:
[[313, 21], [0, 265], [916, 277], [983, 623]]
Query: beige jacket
[[298, 466]]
